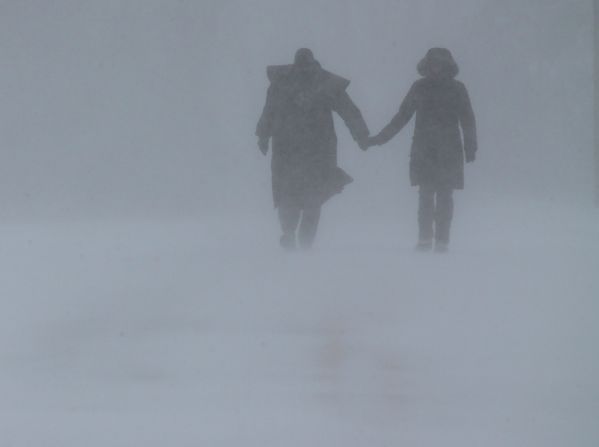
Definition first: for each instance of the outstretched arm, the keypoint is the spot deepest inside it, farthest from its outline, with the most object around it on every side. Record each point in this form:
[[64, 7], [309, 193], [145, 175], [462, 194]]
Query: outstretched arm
[[401, 118], [468, 123], [352, 117]]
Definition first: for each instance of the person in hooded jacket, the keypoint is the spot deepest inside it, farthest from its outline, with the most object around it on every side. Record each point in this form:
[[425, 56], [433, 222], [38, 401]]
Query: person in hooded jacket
[[442, 106], [298, 118]]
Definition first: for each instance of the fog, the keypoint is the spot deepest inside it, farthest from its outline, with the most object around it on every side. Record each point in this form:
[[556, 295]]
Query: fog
[[146, 300], [115, 109]]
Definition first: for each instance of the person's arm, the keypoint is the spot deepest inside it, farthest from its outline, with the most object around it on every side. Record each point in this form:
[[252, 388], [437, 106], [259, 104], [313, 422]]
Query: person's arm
[[352, 117], [264, 127], [401, 118], [468, 124]]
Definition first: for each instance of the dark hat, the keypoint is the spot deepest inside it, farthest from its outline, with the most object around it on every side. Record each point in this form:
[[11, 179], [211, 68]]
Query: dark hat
[[441, 57], [304, 57]]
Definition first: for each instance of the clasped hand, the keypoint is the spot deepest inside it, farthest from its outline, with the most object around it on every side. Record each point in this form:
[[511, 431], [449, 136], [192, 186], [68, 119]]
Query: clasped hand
[[368, 142]]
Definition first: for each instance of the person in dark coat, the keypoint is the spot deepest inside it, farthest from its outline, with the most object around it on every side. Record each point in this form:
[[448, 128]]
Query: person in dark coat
[[442, 106], [298, 118]]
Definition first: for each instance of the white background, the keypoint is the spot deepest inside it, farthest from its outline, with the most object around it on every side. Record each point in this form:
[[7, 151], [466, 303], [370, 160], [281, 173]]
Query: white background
[[144, 299]]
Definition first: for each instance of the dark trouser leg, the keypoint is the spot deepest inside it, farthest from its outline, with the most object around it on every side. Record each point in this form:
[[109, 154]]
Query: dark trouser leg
[[443, 215], [289, 218], [309, 225], [426, 213]]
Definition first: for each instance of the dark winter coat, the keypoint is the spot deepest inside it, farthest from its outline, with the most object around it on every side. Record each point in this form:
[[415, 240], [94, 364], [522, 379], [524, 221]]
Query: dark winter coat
[[442, 106], [298, 117]]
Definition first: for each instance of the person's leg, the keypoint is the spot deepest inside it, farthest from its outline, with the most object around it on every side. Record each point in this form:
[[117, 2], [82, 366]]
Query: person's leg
[[309, 225], [443, 217], [426, 210], [289, 218]]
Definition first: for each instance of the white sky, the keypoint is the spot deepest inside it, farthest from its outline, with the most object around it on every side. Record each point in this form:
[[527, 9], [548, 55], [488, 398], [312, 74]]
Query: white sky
[[135, 107]]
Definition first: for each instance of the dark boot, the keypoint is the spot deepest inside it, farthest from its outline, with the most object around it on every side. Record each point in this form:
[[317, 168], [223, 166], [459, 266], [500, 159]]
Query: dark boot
[[443, 218], [309, 226], [287, 241], [441, 247], [289, 219], [425, 245], [426, 213]]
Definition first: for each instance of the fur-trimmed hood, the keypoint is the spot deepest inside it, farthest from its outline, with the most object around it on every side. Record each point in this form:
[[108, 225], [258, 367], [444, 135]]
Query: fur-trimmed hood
[[441, 56]]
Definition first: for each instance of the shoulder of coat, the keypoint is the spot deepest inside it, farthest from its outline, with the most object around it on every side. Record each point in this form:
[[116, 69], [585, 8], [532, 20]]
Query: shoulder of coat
[[333, 83], [459, 84], [278, 72], [418, 86], [421, 84]]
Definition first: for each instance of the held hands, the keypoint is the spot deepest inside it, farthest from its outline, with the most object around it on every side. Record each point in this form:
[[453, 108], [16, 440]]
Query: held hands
[[263, 145], [363, 143], [369, 142]]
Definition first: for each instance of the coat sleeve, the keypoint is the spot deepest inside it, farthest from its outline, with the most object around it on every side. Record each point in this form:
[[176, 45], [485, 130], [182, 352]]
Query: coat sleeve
[[467, 122], [351, 115], [264, 128], [401, 118]]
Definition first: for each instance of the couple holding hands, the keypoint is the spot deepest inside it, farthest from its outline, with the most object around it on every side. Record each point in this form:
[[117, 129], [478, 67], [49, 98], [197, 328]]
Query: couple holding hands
[[298, 118]]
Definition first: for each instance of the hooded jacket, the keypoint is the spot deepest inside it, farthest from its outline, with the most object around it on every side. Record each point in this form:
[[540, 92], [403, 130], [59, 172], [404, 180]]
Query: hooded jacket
[[442, 107]]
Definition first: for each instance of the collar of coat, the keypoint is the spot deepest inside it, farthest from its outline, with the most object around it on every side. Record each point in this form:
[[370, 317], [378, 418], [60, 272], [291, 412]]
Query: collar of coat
[[330, 82]]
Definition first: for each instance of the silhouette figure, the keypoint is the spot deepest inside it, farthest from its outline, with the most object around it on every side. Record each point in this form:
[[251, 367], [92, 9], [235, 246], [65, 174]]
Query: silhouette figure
[[298, 118], [441, 105]]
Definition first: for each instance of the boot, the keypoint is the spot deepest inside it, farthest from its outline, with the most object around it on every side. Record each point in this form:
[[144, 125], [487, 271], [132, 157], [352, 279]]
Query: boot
[[441, 247], [288, 241], [424, 245]]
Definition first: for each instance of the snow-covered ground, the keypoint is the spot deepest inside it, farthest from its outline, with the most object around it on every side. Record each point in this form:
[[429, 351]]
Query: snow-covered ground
[[202, 333]]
